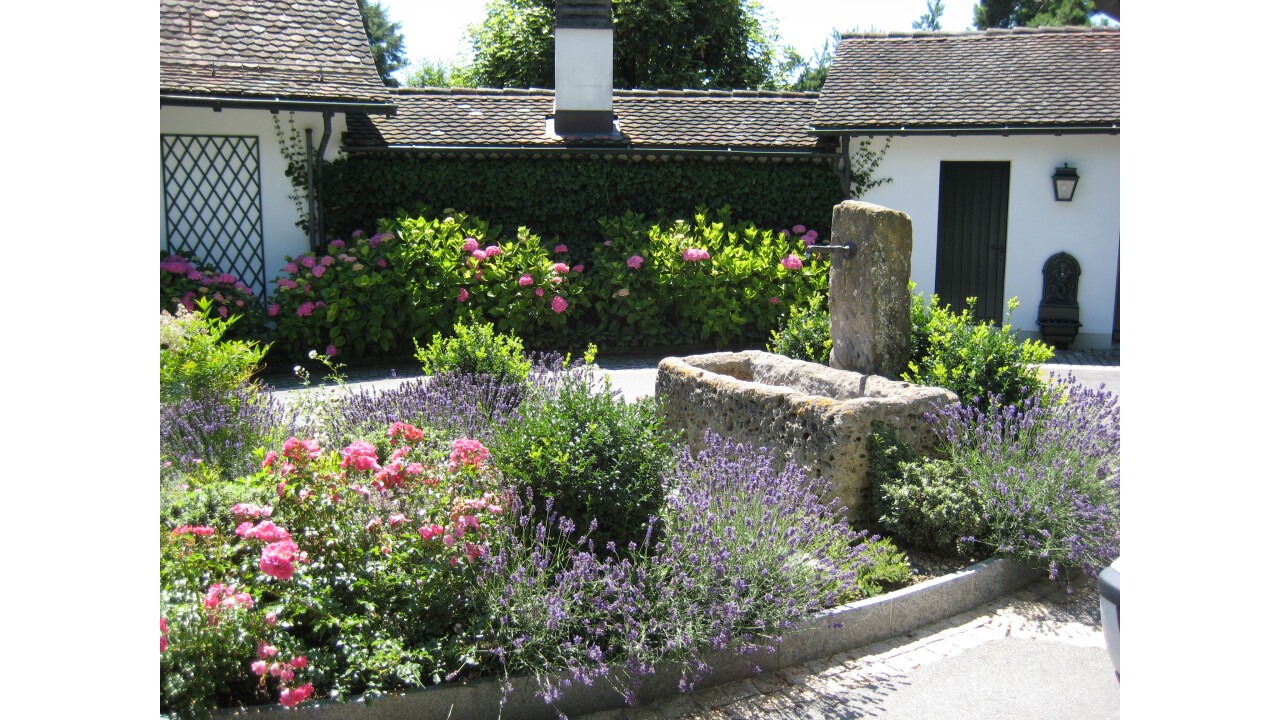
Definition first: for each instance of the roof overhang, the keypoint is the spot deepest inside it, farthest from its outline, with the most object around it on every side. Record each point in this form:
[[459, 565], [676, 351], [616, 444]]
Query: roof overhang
[[276, 104], [626, 150], [1103, 129]]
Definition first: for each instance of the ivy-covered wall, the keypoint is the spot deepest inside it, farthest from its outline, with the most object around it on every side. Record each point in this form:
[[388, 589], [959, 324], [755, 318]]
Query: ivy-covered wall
[[562, 198]]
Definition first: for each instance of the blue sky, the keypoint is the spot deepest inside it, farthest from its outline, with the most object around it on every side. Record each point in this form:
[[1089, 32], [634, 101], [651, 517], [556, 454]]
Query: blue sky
[[436, 29]]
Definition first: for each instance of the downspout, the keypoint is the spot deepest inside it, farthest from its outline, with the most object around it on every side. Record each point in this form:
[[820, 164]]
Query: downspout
[[311, 198], [319, 185]]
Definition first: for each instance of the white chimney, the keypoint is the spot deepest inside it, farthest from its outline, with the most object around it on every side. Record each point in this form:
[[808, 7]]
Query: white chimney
[[584, 67]]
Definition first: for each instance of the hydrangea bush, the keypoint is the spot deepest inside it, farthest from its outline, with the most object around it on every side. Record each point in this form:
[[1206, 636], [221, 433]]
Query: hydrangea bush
[[184, 280]]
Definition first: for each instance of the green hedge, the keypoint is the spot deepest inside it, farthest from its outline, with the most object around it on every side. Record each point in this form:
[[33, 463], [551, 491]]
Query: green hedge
[[562, 198]]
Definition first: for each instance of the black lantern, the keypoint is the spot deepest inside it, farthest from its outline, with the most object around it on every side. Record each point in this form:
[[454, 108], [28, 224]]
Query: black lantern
[[1064, 183]]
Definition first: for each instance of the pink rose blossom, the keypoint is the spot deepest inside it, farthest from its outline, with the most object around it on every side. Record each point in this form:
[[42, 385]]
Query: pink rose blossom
[[292, 697], [561, 248], [277, 559], [270, 458], [526, 280], [559, 304], [470, 245], [430, 531], [360, 455], [467, 453], [299, 662], [259, 667], [405, 430], [298, 450], [266, 651], [249, 510], [272, 618], [463, 295], [201, 530], [265, 530], [286, 673], [449, 540], [396, 519], [792, 262]]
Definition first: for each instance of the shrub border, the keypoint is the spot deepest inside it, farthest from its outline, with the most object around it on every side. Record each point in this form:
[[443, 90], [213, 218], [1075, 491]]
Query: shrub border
[[829, 632]]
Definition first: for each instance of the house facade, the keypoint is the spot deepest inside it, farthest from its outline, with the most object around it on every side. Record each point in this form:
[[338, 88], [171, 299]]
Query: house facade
[[978, 125], [234, 77]]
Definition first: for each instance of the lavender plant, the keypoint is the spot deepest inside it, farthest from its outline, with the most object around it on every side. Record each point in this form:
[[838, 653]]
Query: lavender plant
[[746, 552], [221, 431], [1048, 473]]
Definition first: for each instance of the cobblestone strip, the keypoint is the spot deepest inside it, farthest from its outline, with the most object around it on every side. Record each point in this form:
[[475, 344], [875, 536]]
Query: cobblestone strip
[[843, 683]]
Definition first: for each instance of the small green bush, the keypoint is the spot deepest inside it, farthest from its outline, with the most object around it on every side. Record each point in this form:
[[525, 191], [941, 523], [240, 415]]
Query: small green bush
[[885, 565], [973, 359], [196, 361], [806, 333], [594, 454], [475, 350]]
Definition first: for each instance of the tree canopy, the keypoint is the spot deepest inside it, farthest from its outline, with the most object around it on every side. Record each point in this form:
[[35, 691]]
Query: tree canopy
[[932, 17], [385, 40], [1031, 13], [656, 44]]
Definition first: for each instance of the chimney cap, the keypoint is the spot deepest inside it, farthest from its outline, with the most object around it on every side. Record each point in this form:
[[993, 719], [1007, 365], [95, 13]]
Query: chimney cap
[[585, 14]]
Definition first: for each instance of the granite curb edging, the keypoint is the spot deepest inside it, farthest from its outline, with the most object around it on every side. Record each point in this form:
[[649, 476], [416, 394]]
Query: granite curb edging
[[837, 630]]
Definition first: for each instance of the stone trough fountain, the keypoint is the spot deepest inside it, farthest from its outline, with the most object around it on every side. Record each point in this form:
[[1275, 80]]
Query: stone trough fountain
[[816, 416]]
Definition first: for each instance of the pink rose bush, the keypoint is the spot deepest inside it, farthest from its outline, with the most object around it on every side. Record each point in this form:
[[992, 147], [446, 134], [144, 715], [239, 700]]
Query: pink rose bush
[[380, 510]]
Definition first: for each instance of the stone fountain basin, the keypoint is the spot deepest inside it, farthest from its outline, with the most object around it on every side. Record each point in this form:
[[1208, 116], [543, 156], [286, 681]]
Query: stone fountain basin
[[814, 416]]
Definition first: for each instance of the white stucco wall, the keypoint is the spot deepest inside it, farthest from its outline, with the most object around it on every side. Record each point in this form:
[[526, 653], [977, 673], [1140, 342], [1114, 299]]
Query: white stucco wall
[[280, 234], [1088, 227]]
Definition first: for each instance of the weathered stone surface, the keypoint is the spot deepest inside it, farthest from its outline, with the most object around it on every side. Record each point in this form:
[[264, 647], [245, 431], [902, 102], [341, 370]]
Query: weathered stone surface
[[869, 300], [815, 416]]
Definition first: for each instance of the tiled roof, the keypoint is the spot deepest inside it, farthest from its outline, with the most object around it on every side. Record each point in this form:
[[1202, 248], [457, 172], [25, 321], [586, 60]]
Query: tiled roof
[[1020, 78], [304, 49], [647, 119]]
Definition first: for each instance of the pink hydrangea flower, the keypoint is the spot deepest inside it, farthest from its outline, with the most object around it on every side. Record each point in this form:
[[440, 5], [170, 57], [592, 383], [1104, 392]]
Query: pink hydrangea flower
[[470, 245], [559, 268], [327, 260], [318, 271], [695, 255], [306, 308], [379, 239], [774, 300], [526, 280], [577, 268], [463, 295], [286, 284], [810, 238], [792, 262], [798, 229], [337, 244], [492, 250], [634, 262], [478, 254], [222, 310], [608, 243], [562, 248], [307, 261], [273, 310], [538, 292], [382, 262], [559, 304], [331, 350], [291, 268], [277, 559]]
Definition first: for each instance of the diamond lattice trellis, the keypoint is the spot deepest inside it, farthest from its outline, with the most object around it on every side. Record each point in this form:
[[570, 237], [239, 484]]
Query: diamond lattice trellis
[[213, 202]]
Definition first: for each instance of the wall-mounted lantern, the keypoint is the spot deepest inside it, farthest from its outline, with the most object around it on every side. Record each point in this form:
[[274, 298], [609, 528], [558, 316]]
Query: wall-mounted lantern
[[1064, 183]]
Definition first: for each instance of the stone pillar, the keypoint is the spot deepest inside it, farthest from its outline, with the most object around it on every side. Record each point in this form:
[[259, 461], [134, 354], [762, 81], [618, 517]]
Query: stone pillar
[[869, 299]]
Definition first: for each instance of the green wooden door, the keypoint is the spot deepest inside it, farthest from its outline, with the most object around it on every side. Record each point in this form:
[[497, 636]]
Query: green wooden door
[[973, 225]]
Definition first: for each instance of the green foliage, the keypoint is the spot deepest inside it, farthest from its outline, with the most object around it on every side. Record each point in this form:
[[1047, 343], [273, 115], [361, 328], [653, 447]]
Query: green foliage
[[594, 453], [185, 279], [563, 198], [1028, 13], [971, 358], [862, 168], [883, 565], [702, 45], [440, 73], [931, 504], [801, 75], [932, 17], [385, 41], [806, 333], [476, 350], [195, 361], [736, 295]]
